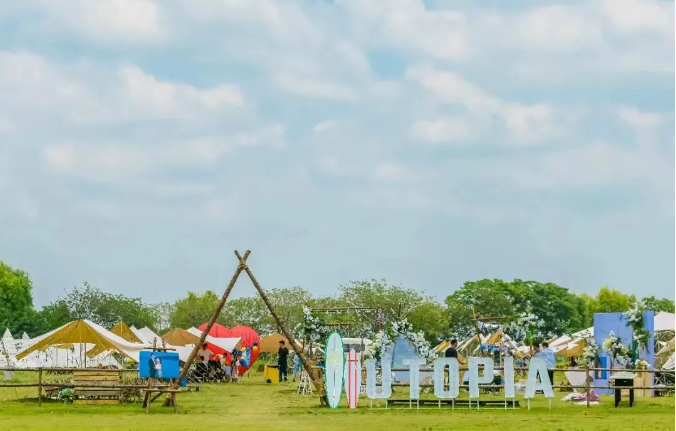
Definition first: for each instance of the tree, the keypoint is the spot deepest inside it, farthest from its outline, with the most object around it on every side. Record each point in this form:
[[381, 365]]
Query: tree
[[664, 304], [16, 301], [163, 312], [483, 298], [251, 311], [556, 310], [193, 310], [105, 309], [396, 302], [608, 300]]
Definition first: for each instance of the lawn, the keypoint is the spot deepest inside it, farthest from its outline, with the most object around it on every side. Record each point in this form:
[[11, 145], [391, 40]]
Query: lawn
[[253, 405]]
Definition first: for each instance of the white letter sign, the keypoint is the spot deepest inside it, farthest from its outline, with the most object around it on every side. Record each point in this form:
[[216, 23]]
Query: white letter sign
[[453, 378], [538, 366], [414, 364], [371, 388], [475, 379]]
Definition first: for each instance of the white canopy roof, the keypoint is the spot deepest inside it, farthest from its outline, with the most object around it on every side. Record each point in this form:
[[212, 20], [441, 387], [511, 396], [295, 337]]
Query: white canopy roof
[[665, 321], [107, 339], [669, 365], [7, 335], [224, 343], [25, 336], [148, 335]]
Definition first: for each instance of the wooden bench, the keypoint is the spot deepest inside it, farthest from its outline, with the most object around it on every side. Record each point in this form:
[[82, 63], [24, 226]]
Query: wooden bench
[[90, 387]]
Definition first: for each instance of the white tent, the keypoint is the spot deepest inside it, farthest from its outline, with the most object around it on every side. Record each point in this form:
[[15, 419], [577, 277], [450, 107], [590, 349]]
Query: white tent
[[84, 331], [7, 335], [227, 344], [139, 335], [148, 335], [669, 365], [25, 336], [665, 321]]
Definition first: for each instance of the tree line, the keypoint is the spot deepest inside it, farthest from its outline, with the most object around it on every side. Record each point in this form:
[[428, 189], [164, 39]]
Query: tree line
[[555, 308]]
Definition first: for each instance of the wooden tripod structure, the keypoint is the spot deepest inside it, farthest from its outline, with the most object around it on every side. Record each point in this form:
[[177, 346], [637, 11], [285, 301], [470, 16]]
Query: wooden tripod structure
[[243, 267]]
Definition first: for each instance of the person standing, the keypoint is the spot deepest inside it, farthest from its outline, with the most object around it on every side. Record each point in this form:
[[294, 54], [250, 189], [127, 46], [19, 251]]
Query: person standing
[[205, 354], [452, 352], [550, 360], [297, 367], [283, 354]]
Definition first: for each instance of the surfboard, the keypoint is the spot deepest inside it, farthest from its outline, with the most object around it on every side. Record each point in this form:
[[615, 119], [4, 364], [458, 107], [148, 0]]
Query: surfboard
[[335, 364], [352, 378]]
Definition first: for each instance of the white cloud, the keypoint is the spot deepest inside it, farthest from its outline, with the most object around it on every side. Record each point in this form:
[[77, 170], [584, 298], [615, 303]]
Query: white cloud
[[649, 16], [449, 130], [410, 26], [527, 124], [219, 210], [640, 120], [389, 172], [556, 28], [174, 100], [324, 126], [113, 21], [33, 85], [316, 88], [121, 161]]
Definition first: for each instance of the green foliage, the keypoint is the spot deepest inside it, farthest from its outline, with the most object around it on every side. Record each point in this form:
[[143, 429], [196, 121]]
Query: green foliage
[[193, 310], [106, 309], [654, 304], [608, 300], [16, 301], [556, 310]]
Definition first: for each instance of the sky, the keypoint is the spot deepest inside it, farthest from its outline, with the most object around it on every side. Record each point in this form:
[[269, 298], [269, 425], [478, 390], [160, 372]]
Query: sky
[[424, 142]]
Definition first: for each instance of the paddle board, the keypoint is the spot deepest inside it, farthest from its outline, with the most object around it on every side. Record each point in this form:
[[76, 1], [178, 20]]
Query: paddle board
[[335, 364], [352, 378]]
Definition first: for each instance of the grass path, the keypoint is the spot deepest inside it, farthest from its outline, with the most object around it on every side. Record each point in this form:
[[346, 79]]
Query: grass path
[[253, 405]]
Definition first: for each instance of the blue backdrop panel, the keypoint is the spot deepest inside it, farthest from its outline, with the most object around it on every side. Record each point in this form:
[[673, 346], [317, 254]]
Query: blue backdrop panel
[[617, 323], [169, 365]]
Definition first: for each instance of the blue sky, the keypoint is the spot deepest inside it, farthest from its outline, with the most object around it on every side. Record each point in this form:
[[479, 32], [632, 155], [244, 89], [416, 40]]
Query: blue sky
[[427, 143]]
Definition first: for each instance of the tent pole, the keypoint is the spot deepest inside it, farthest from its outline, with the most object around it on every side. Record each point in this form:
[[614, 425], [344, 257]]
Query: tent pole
[[217, 311], [306, 365]]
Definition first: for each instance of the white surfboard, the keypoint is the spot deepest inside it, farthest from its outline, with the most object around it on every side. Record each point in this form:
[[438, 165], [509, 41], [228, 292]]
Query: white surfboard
[[335, 364], [352, 378]]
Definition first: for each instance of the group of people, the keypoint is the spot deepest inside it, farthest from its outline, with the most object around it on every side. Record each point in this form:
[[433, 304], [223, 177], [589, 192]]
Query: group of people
[[212, 366]]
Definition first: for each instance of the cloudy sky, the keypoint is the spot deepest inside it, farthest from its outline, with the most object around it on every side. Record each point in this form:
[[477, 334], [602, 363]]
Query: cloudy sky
[[426, 142]]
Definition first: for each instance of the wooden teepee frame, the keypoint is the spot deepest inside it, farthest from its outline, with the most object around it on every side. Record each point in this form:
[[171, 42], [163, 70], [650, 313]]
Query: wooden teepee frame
[[243, 267]]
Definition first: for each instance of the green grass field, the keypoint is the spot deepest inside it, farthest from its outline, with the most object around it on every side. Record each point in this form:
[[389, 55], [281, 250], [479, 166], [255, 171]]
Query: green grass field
[[254, 405]]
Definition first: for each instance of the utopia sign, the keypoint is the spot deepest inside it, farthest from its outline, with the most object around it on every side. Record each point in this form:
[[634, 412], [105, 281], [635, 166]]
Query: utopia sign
[[442, 367]]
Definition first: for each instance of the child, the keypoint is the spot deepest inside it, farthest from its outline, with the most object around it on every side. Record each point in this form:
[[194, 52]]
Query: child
[[296, 367]]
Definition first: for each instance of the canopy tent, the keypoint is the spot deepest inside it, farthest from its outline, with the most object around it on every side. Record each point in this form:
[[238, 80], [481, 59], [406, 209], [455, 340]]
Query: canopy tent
[[216, 344], [72, 356], [665, 321], [180, 337], [669, 365], [668, 347], [125, 332], [25, 336], [148, 335], [7, 335], [270, 344], [85, 332]]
